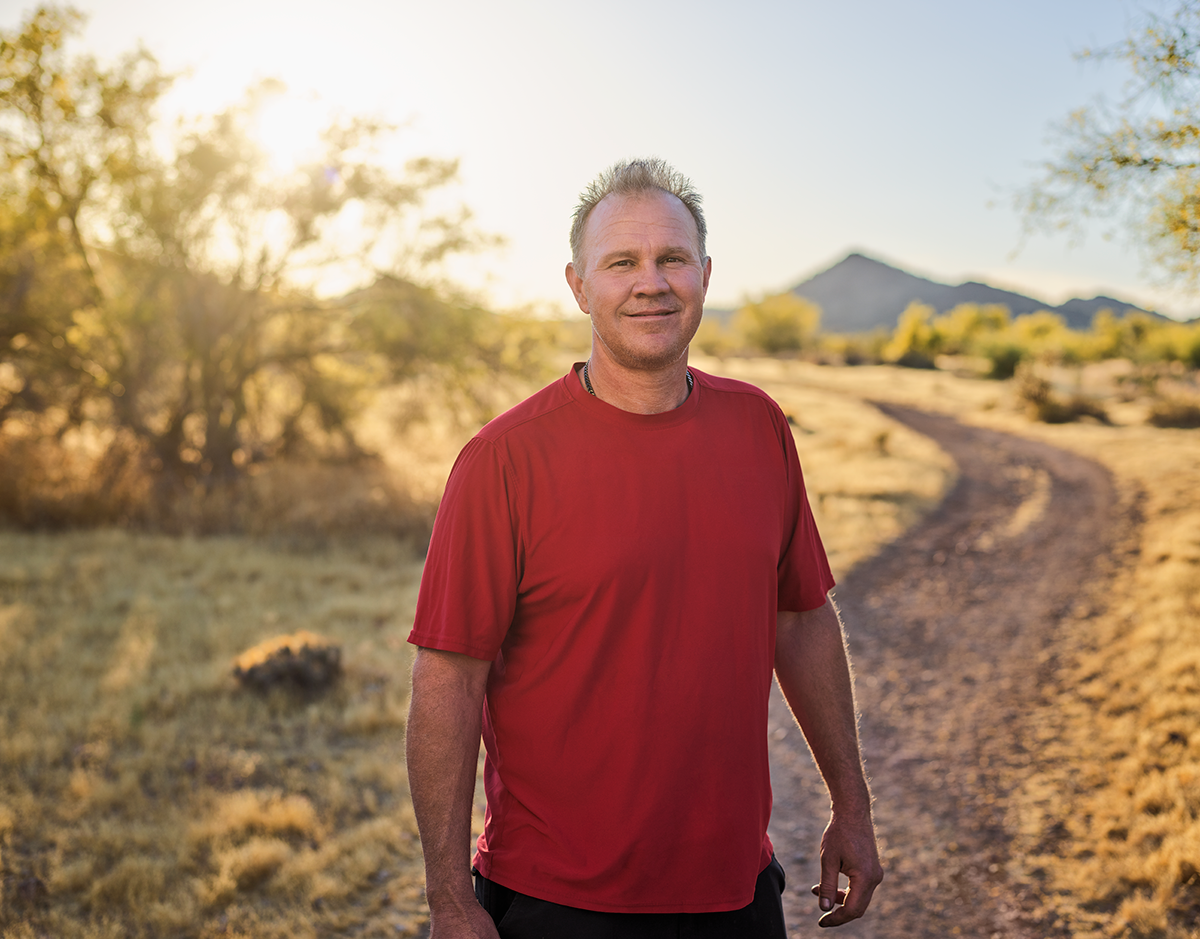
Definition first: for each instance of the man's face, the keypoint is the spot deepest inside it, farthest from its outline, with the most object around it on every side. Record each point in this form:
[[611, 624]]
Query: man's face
[[642, 280]]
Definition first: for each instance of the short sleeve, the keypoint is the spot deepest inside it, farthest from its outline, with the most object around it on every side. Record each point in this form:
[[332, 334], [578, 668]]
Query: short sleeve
[[469, 585], [804, 574]]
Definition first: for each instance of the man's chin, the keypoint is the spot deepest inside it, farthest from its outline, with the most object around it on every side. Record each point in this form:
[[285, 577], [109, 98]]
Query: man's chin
[[651, 363], [649, 357]]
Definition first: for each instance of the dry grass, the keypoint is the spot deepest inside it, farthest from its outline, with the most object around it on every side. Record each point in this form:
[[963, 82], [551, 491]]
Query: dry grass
[[1110, 825], [144, 793], [86, 482], [1107, 826]]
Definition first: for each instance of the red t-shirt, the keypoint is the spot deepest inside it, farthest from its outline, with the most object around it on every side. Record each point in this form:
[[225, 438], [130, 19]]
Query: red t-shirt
[[623, 572]]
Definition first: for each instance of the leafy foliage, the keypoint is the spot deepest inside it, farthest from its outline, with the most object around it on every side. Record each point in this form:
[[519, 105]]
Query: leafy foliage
[[1138, 160], [915, 341], [987, 332], [157, 301], [779, 323]]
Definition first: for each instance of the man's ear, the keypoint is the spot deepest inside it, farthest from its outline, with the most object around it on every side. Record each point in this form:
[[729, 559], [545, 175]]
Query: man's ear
[[575, 282], [707, 274]]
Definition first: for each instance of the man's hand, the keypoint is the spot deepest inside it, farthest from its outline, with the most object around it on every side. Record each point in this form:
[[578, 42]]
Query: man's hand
[[470, 921], [847, 847]]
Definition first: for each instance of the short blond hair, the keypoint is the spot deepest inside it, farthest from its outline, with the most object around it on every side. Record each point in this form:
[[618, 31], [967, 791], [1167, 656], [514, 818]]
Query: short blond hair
[[633, 178]]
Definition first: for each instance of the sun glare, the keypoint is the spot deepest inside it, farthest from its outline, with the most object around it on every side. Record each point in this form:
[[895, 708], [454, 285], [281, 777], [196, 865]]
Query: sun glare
[[288, 129]]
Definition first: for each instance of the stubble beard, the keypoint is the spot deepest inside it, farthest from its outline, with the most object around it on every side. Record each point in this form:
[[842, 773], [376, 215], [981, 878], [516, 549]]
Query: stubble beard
[[627, 355]]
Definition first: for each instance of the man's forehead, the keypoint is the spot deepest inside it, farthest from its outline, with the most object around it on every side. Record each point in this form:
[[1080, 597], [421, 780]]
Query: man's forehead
[[642, 209], [618, 201]]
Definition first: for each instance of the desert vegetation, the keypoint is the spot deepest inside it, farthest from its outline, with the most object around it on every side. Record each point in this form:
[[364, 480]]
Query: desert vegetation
[[200, 452], [144, 791], [1109, 822], [167, 325], [1157, 357]]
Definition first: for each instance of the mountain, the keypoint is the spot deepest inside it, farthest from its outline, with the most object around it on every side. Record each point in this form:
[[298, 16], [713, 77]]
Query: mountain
[[859, 294]]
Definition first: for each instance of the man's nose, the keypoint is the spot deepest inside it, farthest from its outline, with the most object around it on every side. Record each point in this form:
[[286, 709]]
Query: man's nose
[[650, 280]]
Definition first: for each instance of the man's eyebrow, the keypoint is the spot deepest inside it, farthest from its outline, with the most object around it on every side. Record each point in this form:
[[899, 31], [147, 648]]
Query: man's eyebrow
[[614, 255], [633, 252]]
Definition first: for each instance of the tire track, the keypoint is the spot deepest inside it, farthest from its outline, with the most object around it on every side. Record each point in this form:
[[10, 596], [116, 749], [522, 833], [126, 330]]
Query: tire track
[[956, 631]]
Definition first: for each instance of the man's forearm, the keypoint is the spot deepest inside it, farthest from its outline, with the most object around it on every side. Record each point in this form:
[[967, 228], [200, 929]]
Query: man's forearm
[[443, 753], [814, 674]]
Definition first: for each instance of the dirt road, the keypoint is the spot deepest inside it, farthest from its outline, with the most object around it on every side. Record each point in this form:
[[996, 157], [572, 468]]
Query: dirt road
[[956, 631]]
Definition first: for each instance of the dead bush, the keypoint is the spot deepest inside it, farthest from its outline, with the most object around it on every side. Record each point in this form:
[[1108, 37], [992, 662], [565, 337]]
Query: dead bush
[[1174, 412], [77, 481], [302, 661], [72, 481], [1043, 404]]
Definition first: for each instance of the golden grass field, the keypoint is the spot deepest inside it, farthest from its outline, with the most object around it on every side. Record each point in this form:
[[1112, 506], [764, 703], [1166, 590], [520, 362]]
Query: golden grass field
[[143, 793]]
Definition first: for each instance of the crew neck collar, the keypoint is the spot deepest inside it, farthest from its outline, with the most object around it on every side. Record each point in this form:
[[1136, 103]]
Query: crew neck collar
[[613, 414]]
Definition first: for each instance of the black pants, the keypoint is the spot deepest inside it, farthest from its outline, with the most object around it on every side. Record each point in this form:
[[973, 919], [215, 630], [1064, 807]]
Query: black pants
[[518, 916]]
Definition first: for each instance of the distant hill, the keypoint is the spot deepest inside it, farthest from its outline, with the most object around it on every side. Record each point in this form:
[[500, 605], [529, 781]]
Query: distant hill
[[859, 294]]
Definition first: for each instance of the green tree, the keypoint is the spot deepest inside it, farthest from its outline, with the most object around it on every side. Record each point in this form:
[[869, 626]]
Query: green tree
[[1138, 161], [915, 342], [1042, 330], [961, 329], [779, 323], [714, 337], [161, 295]]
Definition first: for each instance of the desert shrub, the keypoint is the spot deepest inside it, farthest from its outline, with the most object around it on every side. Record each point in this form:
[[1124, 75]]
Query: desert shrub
[[1175, 342], [780, 323], [77, 478], [1004, 356], [1043, 404], [986, 331], [72, 482], [857, 349], [1043, 333], [1140, 338], [1081, 406], [916, 341], [713, 338], [962, 329], [1174, 412]]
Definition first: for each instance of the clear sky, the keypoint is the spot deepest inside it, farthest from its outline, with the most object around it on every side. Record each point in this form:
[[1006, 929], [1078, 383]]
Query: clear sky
[[812, 128]]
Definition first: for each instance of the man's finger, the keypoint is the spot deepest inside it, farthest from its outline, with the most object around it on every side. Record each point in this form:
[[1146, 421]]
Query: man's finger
[[858, 899], [827, 890], [841, 894], [855, 900]]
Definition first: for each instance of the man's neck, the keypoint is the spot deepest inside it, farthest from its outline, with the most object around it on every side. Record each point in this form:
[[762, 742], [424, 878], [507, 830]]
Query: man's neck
[[635, 390]]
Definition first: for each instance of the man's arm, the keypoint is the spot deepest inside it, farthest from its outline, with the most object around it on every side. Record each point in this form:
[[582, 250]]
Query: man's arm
[[813, 670], [444, 723]]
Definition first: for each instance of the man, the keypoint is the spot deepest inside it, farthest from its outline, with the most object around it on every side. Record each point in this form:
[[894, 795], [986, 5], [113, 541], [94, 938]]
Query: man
[[618, 566]]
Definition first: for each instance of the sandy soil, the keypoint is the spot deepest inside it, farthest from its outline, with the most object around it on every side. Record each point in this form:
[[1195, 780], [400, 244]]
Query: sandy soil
[[956, 632]]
